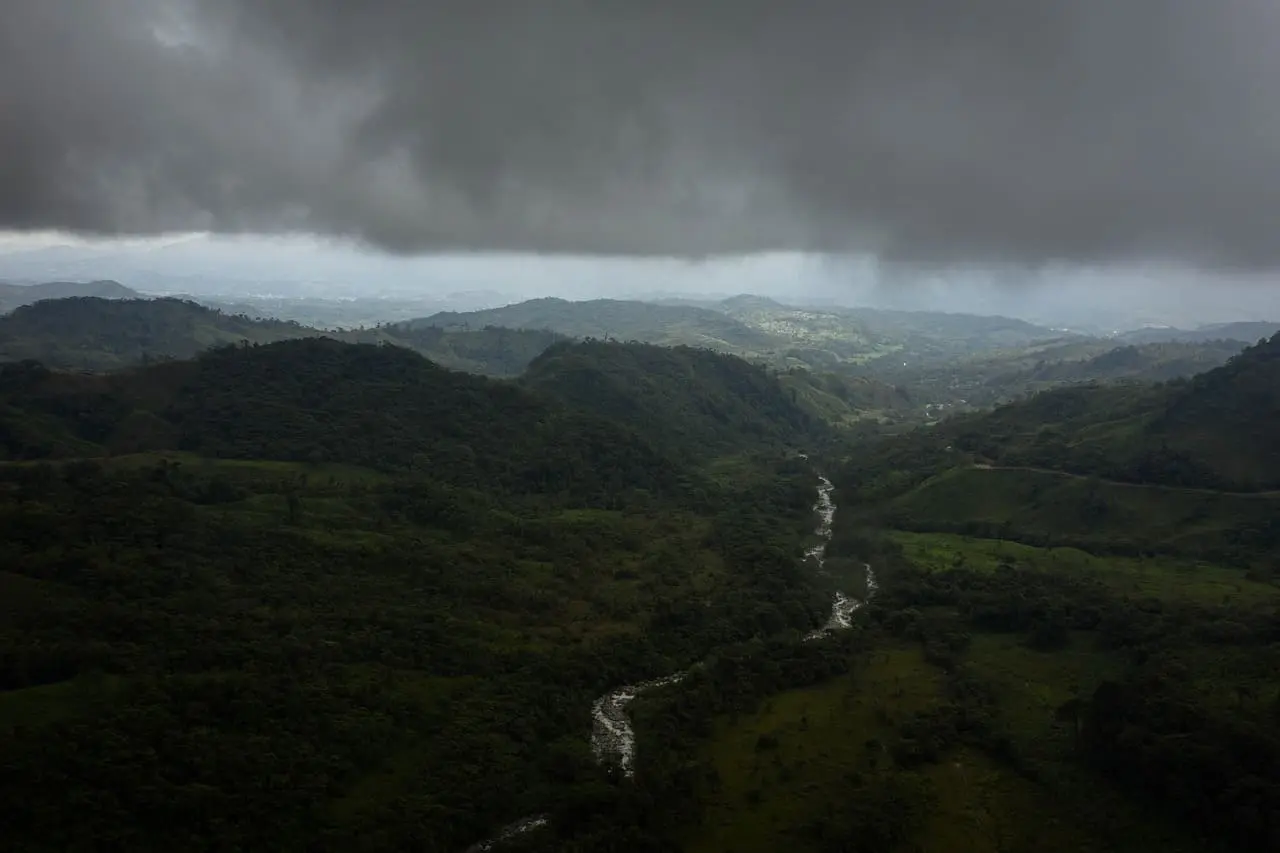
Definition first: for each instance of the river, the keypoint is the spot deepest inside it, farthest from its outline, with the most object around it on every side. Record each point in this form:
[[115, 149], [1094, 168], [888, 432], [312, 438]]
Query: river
[[613, 740]]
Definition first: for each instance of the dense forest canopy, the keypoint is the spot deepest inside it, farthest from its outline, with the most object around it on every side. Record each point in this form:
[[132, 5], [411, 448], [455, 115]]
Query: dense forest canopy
[[308, 579]]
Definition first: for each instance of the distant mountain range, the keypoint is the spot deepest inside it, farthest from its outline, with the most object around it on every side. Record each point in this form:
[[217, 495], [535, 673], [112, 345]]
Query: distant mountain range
[[1249, 332], [92, 333], [616, 319], [840, 363], [761, 328]]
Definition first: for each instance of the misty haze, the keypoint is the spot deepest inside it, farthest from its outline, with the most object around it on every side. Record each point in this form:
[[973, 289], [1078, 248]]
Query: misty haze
[[847, 425]]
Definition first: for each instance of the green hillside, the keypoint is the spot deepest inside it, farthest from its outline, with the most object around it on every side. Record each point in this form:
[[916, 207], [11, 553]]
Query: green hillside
[[97, 334], [1185, 468], [1073, 647], [1152, 362], [94, 333], [815, 338], [689, 400], [929, 334], [749, 326], [91, 333], [616, 319], [14, 295], [848, 400], [986, 377], [1210, 431], [315, 595], [490, 351], [317, 400], [1245, 331]]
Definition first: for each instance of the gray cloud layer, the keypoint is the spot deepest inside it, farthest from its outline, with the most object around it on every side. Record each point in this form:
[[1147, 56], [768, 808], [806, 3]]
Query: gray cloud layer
[[924, 130]]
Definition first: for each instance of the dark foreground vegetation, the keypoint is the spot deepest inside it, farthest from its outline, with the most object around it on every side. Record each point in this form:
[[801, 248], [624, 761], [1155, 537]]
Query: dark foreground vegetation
[[316, 595]]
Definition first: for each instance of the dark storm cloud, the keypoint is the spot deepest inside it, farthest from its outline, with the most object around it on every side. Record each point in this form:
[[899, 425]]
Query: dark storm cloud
[[924, 130]]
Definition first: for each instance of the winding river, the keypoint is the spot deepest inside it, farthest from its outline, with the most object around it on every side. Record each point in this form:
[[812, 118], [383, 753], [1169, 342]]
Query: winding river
[[613, 740]]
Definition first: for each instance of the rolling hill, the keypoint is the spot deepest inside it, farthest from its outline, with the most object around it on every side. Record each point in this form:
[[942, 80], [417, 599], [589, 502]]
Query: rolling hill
[[1097, 564], [1149, 362], [616, 319], [15, 295], [316, 400], [1212, 430], [849, 400], [689, 400], [386, 407], [92, 333], [984, 378], [817, 339], [1247, 332], [319, 595], [935, 333], [1104, 445], [96, 334]]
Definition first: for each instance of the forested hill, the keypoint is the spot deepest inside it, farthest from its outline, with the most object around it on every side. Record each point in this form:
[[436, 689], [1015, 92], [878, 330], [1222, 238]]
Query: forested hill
[[589, 416], [691, 402], [1215, 430], [1244, 331], [618, 319], [313, 595], [1227, 419], [14, 295], [91, 333], [318, 400], [1150, 362]]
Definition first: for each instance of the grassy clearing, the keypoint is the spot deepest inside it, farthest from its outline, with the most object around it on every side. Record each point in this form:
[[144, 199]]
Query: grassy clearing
[[33, 707], [789, 764], [779, 767], [982, 807], [1163, 577], [1030, 687]]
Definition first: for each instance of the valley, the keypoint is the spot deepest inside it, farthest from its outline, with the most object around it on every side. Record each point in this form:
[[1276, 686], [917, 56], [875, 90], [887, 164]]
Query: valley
[[855, 367], [423, 585]]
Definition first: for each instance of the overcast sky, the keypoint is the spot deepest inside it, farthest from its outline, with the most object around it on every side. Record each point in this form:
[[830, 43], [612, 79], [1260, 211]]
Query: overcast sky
[[1073, 131]]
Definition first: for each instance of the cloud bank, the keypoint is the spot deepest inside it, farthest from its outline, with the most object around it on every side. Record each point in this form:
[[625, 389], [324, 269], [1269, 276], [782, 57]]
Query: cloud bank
[[1076, 131]]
